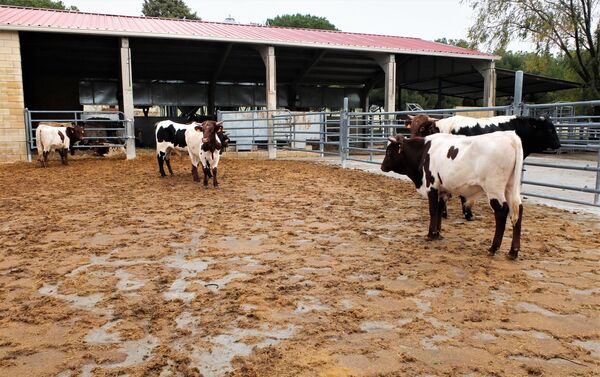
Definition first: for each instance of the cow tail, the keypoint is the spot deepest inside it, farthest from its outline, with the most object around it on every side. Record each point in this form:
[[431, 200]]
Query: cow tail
[[38, 141], [514, 189]]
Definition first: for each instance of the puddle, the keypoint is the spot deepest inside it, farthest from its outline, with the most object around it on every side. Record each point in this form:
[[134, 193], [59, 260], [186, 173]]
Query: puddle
[[126, 283], [584, 292], [423, 306], [536, 274], [590, 345], [484, 336], [371, 326], [136, 351], [312, 304], [533, 333], [533, 308], [79, 302], [102, 336], [187, 321], [225, 347]]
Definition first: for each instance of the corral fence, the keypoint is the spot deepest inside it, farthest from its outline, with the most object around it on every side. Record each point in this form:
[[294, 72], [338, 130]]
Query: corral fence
[[103, 129], [362, 137]]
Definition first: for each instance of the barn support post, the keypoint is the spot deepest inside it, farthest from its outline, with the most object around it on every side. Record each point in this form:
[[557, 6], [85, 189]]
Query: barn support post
[[268, 56], [388, 65], [127, 88], [343, 138], [517, 106], [488, 71]]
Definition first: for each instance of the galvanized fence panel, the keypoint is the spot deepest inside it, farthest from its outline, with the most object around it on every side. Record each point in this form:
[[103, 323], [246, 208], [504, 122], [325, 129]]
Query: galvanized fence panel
[[102, 128]]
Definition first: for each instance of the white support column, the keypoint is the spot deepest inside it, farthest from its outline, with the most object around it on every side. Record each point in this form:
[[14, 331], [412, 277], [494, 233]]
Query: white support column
[[268, 55], [127, 88], [388, 64], [488, 71]]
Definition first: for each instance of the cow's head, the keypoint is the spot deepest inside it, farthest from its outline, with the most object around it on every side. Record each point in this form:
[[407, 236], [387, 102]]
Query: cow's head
[[545, 132], [394, 159], [75, 133], [210, 130], [422, 125]]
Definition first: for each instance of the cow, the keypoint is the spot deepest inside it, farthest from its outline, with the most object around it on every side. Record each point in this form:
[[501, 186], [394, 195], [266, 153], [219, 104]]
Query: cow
[[204, 148], [442, 165], [50, 138], [171, 136], [537, 134]]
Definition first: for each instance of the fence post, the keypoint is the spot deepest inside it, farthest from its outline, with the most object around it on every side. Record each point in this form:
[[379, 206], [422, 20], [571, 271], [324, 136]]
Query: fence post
[[596, 196], [28, 135], [518, 95], [322, 134], [343, 139]]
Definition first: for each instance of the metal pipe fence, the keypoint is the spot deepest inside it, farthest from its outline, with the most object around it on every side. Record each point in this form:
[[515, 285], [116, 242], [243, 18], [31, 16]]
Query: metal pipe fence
[[96, 135]]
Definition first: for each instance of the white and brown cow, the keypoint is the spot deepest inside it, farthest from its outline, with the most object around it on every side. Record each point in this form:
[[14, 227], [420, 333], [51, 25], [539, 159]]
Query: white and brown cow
[[49, 138], [537, 134], [441, 165], [204, 148]]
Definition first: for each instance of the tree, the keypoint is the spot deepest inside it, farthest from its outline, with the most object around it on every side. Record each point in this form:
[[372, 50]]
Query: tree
[[168, 9], [456, 42], [49, 4], [568, 26], [298, 20]]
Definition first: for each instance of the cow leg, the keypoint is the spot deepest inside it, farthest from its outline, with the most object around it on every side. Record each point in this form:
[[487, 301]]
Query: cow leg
[[168, 161], [441, 209], [444, 210], [64, 157], [500, 213], [206, 172], [215, 182], [516, 240], [45, 164], [466, 209], [434, 212], [160, 157], [195, 173]]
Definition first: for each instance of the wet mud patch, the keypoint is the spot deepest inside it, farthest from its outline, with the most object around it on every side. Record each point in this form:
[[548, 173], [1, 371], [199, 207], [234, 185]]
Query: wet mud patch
[[290, 269]]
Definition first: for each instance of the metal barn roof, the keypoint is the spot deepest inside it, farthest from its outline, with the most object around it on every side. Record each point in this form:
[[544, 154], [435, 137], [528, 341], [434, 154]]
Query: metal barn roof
[[31, 19]]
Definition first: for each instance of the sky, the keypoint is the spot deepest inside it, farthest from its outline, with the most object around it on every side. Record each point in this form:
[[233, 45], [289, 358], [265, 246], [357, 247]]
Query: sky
[[426, 19]]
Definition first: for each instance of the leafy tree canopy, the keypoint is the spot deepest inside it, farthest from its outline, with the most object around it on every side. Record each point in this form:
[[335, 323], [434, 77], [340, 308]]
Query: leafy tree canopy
[[49, 4], [457, 42], [569, 26], [168, 9], [298, 20]]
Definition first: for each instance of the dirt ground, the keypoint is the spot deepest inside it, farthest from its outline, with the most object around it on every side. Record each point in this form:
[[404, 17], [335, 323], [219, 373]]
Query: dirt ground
[[290, 269]]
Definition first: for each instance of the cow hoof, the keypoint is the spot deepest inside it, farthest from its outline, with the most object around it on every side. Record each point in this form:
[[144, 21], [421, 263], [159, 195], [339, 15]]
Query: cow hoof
[[492, 250], [445, 215], [469, 217], [433, 237], [513, 254]]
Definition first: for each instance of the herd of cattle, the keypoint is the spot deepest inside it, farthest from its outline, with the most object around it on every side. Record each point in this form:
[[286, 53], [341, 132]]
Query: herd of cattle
[[443, 157]]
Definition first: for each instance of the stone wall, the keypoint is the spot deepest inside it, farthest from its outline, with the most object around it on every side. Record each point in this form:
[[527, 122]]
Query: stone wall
[[12, 118]]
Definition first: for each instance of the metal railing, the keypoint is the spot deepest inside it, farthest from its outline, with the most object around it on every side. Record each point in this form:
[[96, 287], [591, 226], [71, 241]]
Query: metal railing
[[102, 128]]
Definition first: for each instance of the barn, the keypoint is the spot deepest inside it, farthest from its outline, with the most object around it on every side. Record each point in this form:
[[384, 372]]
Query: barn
[[60, 60]]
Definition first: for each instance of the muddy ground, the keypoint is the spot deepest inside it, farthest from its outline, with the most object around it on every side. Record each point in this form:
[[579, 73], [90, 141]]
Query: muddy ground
[[290, 269]]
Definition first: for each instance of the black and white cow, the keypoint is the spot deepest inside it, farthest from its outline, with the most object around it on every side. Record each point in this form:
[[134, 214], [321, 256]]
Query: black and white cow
[[204, 148], [441, 165], [537, 134], [171, 136], [49, 138]]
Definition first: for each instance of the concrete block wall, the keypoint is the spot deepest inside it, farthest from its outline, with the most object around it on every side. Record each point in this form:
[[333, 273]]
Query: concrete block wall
[[12, 118]]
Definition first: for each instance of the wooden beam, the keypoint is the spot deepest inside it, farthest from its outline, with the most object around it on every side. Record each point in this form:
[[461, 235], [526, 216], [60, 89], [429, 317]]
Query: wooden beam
[[306, 70]]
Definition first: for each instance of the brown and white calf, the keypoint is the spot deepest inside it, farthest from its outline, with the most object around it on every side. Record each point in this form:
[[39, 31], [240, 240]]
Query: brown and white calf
[[204, 147], [49, 138], [442, 165]]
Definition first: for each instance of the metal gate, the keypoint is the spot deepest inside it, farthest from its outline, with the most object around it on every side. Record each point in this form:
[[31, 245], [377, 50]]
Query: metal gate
[[103, 129]]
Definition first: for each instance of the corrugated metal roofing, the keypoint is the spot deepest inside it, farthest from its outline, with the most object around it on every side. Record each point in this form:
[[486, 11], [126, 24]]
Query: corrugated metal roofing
[[30, 19]]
